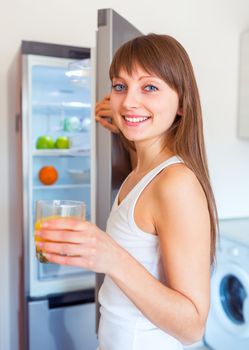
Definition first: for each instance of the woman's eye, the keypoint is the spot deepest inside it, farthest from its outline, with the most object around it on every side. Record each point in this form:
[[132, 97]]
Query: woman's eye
[[118, 87], [150, 88]]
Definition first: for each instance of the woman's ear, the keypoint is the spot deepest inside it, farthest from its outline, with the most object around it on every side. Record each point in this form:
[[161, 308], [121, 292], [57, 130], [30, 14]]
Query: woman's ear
[[180, 111]]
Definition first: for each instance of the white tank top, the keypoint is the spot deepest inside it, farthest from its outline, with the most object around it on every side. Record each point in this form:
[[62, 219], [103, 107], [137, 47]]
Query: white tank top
[[122, 325]]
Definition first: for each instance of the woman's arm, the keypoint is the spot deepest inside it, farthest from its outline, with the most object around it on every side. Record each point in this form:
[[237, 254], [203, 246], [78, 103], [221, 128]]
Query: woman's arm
[[182, 222]]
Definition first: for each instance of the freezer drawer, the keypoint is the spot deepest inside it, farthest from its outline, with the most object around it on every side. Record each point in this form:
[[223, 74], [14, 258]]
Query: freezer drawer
[[62, 322]]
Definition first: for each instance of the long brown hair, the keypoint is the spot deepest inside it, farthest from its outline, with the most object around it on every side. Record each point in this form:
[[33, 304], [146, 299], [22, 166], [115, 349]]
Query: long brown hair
[[165, 57]]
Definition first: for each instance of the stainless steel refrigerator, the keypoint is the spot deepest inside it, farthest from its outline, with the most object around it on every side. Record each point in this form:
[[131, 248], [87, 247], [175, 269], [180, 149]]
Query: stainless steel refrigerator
[[66, 156]]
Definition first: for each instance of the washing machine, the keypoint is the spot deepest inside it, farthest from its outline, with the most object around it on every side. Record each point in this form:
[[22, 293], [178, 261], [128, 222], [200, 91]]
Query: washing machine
[[228, 321]]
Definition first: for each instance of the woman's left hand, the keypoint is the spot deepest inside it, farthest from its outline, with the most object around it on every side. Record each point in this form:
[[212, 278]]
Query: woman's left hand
[[104, 115], [78, 243]]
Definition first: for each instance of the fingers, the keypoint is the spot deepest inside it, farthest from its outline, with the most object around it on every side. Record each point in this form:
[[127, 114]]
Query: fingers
[[65, 223], [68, 247], [103, 105], [104, 112], [102, 108], [66, 236], [71, 231], [64, 249], [105, 102]]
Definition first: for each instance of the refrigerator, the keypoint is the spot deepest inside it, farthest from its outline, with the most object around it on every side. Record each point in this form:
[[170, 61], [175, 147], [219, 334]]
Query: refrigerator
[[66, 156]]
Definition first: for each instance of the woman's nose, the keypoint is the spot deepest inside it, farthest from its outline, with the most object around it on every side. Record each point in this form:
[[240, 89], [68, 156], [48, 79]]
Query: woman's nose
[[131, 99]]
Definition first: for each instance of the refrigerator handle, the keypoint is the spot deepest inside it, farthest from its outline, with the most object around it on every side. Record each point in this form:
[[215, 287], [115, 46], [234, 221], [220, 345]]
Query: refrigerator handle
[[71, 299]]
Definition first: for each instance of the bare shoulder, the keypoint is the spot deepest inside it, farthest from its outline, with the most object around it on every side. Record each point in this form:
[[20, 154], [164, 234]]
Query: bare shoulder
[[179, 194], [178, 180]]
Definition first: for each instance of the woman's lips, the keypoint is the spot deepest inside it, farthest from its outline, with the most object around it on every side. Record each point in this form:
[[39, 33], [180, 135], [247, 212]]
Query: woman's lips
[[135, 120]]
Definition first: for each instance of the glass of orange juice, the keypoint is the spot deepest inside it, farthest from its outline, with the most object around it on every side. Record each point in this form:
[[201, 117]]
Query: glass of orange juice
[[55, 209]]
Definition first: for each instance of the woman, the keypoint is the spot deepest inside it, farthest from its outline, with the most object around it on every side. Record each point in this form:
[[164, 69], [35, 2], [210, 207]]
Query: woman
[[161, 233]]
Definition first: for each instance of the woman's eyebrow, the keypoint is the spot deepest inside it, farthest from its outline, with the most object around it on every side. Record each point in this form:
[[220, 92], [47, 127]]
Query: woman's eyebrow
[[148, 77], [140, 78]]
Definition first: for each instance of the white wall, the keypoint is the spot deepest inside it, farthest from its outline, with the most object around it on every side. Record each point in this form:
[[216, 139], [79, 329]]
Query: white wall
[[209, 30]]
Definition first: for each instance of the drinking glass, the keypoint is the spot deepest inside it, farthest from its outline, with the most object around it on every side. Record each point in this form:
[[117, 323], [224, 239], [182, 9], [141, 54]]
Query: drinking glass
[[55, 209]]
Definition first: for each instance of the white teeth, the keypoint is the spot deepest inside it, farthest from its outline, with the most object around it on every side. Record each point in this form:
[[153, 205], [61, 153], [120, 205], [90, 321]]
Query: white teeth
[[136, 120]]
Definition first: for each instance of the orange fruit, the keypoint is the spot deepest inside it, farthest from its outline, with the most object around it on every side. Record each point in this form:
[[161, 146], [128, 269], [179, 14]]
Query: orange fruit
[[48, 175]]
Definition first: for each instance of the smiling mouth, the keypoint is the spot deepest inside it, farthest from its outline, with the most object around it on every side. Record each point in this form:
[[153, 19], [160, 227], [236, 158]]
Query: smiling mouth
[[135, 119]]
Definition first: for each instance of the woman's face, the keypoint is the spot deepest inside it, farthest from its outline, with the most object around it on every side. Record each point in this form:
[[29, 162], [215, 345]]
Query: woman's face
[[144, 106]]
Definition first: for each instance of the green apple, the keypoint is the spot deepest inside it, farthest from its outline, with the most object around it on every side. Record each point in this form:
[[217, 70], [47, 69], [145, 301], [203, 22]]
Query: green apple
[[44, 142], [62, 142]]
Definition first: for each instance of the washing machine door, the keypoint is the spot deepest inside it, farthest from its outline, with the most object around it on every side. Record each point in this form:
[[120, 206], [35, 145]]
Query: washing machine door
[[228, 321]]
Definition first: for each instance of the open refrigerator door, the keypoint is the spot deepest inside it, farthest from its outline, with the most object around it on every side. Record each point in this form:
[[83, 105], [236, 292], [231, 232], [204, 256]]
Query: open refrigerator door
[[58, 158]]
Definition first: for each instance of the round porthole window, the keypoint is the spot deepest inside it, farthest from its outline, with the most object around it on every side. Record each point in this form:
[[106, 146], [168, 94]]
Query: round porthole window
[[232, 296]]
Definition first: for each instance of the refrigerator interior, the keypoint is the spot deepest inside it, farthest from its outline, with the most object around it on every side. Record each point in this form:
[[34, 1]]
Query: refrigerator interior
[[61, 109], [57, 155], [58, 164]]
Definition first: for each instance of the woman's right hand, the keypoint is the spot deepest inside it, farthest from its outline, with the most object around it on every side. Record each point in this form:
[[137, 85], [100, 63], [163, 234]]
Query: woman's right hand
[[104, 116], [68, 241]]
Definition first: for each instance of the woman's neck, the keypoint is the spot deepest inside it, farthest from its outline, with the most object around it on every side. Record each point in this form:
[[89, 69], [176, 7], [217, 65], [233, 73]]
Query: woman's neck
[[149, 155]]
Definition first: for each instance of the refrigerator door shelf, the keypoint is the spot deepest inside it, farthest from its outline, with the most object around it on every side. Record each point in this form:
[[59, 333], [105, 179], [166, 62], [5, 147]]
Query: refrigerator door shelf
[[62, 153], [60, 187], [59, 105]]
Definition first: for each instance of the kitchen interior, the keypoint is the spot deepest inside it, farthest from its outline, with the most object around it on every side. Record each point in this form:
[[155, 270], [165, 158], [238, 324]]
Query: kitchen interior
[[54, 307]]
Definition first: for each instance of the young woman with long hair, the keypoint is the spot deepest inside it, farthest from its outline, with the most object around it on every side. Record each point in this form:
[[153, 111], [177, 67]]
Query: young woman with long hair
[[159, 243]]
